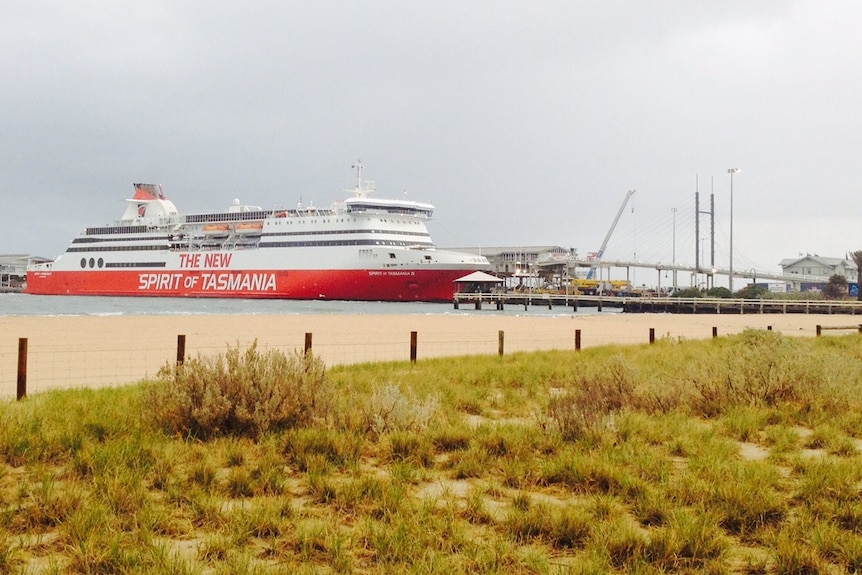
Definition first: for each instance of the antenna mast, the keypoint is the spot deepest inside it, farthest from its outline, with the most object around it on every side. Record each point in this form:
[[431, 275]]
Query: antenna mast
[[358, 167]]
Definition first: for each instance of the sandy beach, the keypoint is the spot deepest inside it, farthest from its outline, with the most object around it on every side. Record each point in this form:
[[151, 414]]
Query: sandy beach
[[86, 351]]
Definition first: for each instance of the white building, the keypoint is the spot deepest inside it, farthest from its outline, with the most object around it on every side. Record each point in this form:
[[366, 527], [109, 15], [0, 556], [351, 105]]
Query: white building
[[815, 265]]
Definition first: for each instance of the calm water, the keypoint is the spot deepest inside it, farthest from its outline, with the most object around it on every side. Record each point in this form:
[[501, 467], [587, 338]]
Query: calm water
[[33, 305]]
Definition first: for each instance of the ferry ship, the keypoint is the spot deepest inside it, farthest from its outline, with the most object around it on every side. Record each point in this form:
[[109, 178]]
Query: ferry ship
[[361, 248]]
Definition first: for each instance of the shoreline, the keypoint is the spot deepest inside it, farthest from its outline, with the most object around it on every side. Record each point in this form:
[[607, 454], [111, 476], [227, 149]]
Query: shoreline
[[98, 351]]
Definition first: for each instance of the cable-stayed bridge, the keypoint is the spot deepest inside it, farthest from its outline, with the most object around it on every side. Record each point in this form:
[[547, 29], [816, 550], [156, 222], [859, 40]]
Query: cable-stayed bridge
[[708, 273], [687, 241]]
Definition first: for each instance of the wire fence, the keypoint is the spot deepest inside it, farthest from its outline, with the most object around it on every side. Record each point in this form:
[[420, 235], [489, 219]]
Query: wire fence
[[53, 367], [121, 352]]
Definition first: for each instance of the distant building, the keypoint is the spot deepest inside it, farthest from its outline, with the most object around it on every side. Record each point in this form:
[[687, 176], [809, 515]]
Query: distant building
[[13, 271], [814, 271], [524, 261], [815, 265]]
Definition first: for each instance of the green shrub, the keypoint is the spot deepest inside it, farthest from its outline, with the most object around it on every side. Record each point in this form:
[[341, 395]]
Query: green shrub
[[389, 409], [586, 409], [239, 393], [766, 370]]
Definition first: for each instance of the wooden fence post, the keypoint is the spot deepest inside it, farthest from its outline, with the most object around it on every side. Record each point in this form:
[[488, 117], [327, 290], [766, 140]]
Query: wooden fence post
[[413, 339], [22, 368], [577, 340], [818, 330], [714, 331], [307, 347], [652, 335], [181, 350], [500, 342]]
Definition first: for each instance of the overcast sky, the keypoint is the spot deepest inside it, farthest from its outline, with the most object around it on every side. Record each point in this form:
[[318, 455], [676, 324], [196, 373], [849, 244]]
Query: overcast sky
[[525, 123]]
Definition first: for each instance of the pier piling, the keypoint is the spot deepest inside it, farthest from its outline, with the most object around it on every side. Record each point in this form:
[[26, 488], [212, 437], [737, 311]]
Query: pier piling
[[22, 368]]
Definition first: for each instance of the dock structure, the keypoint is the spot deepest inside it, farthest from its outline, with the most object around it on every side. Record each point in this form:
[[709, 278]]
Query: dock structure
[[628, 304]]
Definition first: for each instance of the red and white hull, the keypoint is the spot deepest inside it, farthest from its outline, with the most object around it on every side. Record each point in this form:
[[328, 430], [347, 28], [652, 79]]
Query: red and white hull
[[359, 249], [359, 285]]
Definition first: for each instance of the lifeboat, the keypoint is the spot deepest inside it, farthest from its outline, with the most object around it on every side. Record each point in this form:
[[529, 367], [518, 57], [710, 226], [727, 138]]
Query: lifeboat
[[216, 229], [251, 228]]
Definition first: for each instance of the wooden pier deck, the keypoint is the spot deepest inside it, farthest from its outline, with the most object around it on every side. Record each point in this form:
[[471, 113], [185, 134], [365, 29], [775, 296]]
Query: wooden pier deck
[[501, 301]]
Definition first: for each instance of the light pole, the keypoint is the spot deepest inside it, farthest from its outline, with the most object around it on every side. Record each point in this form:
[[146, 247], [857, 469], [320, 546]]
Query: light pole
[[731, 171], [673, 258]]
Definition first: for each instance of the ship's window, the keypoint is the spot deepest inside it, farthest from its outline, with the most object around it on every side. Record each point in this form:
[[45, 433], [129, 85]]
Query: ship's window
[[83, 262], [391, 255], [101, 263], [92, 262]]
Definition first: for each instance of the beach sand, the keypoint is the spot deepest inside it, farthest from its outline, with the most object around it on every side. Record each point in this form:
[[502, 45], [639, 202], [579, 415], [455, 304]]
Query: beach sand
[[84, 351]]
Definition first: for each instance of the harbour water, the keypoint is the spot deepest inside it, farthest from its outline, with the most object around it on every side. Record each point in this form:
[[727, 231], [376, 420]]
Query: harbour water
[[17, 304]]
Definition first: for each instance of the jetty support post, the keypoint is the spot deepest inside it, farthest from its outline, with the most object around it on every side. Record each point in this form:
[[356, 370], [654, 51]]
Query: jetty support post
[[181, 350], [22, 369], [413, 337]]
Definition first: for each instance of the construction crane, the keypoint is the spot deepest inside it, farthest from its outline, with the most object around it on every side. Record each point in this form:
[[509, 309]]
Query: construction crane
[[592, 273]]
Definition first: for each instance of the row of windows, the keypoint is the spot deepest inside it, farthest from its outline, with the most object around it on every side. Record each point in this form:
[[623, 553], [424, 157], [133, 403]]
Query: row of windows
[[116, 230], [100, 263], [298, 244], [329, 243], [85, 240], [135, 265], [228, 217], [145, 248], [97, 240], [330, 232], [236, 217]]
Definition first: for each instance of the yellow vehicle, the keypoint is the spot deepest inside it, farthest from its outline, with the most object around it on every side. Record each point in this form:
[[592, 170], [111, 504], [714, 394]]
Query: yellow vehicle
[[594, 286]]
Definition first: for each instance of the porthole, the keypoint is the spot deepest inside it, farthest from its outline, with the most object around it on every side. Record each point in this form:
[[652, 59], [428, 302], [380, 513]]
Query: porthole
[[101, 263], [92, 263], [83, 262]]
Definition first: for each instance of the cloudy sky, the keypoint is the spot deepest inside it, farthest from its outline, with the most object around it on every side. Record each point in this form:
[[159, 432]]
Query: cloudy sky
[[524, 122]]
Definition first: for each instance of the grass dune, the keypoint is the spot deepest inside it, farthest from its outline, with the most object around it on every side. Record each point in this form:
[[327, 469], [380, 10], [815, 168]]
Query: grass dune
[[739, 454]]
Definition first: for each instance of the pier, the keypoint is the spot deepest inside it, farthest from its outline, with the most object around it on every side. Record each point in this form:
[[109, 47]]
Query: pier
[[637, 304]]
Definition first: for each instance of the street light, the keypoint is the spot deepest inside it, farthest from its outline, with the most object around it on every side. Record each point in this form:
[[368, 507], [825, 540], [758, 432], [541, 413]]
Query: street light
[[731, 171], [673, 259]]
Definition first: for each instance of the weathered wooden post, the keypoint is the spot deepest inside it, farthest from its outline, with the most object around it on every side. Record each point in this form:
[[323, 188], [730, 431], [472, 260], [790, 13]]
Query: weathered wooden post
[[413, 346], [22, 368], [500, 342], [181, 350], [577, 340], [714, 331], [652, 335], [819, 327], [307, 347]]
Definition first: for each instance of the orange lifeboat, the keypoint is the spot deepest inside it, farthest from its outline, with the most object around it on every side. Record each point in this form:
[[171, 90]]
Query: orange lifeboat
[[252, 228], [215, 229]]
